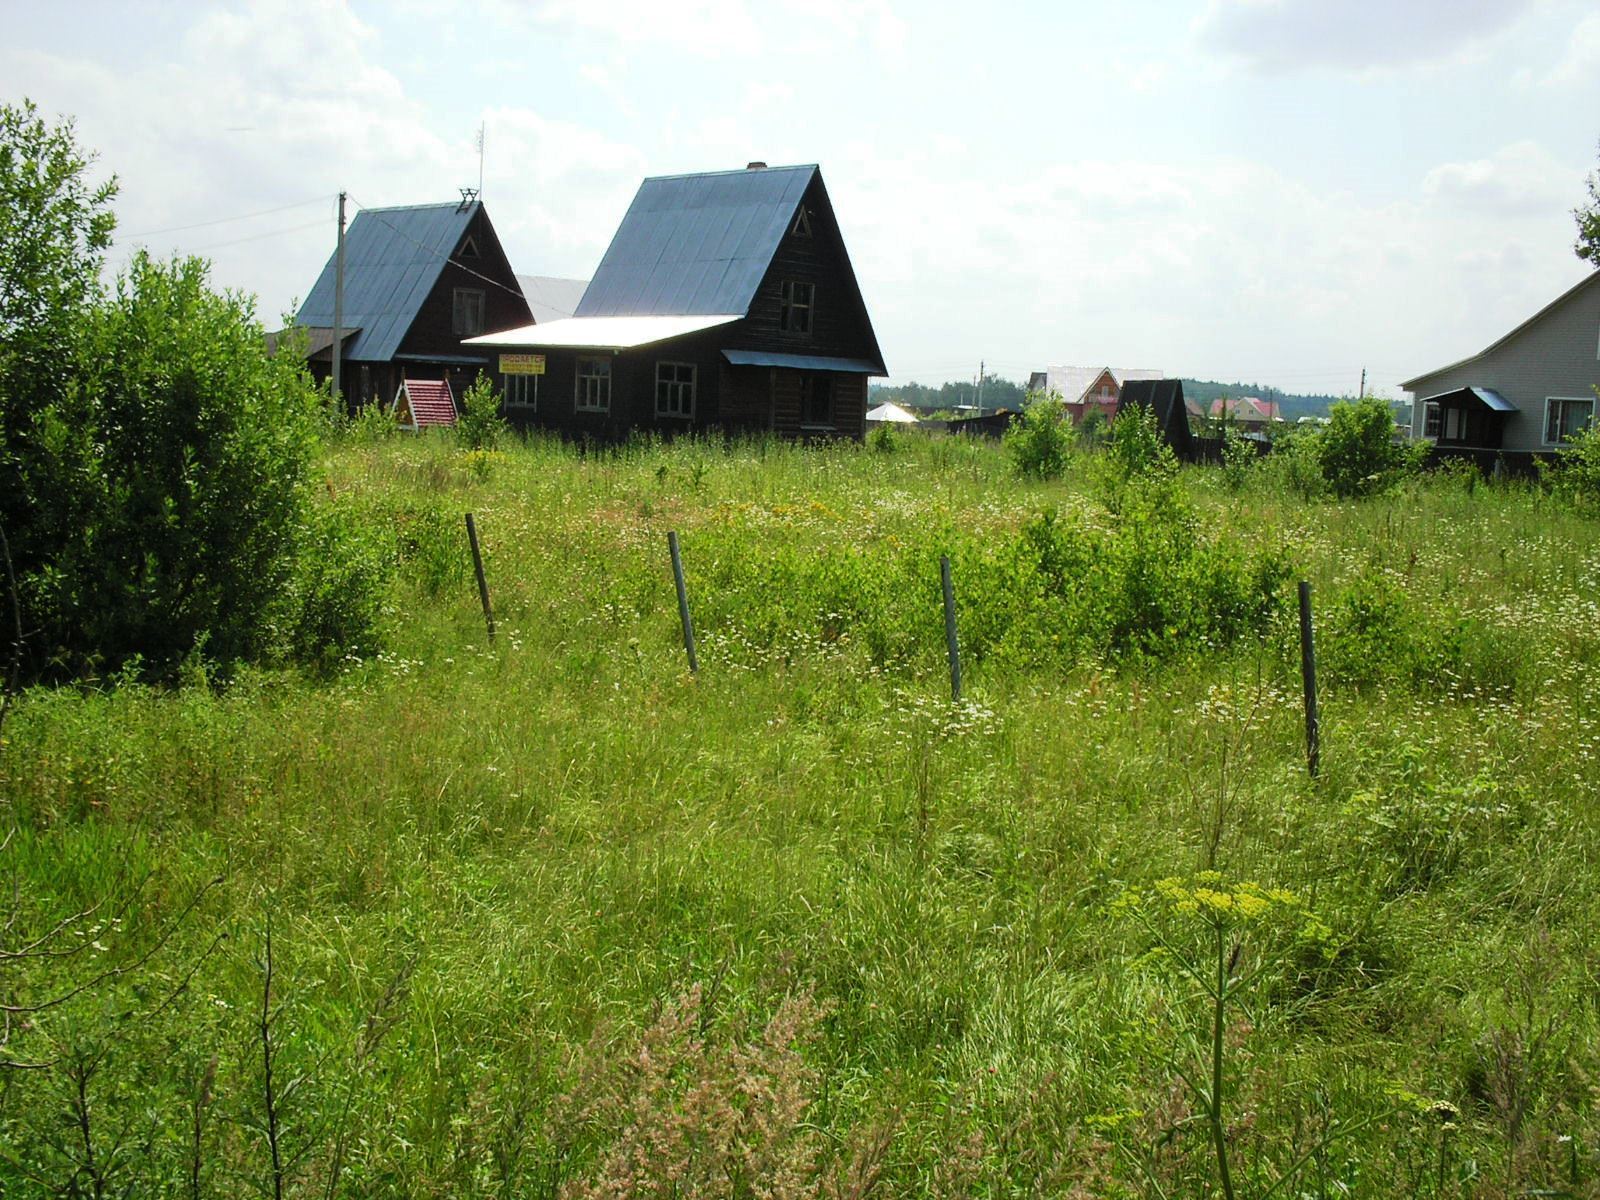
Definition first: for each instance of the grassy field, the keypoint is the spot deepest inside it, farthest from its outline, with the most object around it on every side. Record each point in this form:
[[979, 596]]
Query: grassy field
[[554, 916]]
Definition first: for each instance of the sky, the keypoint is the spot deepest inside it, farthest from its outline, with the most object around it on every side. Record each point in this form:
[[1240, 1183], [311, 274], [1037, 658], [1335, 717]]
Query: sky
[[1275, 191]]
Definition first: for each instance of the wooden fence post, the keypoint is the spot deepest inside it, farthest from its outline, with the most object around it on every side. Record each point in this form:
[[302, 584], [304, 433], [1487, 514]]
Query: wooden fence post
[[483, 584], [950, 627], [683, 601], [1308, 677]]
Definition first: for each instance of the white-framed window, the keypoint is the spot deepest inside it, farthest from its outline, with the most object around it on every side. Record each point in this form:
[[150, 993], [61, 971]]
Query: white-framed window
[[1455, 425], [1432, 420], [466, 318], [799, 301], [675, 389], [520, 391], [593, 389], [1565, 416]]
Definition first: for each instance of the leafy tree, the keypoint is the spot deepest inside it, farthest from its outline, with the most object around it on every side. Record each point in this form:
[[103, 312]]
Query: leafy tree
[[1587, 247], [55, 225], [154, 457]]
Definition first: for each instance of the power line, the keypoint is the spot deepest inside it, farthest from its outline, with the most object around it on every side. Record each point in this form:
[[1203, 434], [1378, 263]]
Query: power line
[[266, 212]]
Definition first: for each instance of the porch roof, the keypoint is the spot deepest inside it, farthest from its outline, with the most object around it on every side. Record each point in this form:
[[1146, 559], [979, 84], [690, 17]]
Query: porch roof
[[1492, 400]]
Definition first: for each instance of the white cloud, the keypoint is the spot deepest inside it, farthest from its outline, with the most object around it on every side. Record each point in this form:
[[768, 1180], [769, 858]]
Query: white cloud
[[1285, 35], [1519, 180], [1580, 66]]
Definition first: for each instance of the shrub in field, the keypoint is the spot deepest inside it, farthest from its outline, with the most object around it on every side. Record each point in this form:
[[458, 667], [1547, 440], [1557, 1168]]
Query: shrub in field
[[1136, 451], [341, 580], [1357, 451], [195, 498], [883, 439], [1040, 441], [1238, 460], [1575, 474], [480, 425]]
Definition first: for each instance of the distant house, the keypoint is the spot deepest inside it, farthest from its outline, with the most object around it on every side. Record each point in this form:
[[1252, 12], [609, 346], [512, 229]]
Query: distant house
[[1165, 398], [1529, 391], [417, 280], [726, 300], [1087, 389], [1247, 414]]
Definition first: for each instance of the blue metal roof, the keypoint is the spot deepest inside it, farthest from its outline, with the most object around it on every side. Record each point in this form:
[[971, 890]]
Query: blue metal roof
[[693, 245], [802, 362], [392, 259]]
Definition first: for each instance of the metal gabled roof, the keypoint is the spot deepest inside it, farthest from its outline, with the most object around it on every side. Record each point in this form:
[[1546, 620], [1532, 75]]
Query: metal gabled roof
[[802, 362], [551, 298], [696, 245], [392, 259]]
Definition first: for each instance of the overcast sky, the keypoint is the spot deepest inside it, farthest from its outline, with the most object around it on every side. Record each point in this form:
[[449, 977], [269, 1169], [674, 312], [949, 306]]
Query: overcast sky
[[1282, 191]]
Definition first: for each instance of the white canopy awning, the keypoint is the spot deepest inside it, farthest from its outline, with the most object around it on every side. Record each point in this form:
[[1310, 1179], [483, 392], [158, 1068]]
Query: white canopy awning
[[601, 333]]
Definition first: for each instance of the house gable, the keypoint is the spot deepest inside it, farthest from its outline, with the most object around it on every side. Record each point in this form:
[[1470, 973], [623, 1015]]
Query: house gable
[[432, 335], [838, 324]]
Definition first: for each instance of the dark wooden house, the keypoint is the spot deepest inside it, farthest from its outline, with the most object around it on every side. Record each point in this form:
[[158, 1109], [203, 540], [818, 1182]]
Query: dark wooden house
[[417, 280], [725, 301]]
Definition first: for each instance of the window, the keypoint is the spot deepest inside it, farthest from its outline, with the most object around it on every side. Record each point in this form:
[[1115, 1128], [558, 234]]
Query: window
[[467, 318], [1565, 416], [798, 301], [816, 400], [520, 391], [1455, 425], [469, 248], [594, 385], [1432, 420], [801, 226], [674, 389]]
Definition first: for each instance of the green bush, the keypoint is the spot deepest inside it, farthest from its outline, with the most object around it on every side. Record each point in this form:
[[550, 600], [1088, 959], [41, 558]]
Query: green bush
[[1040, 441], [205, 449], [1135, 452], [480, 425], [341, 580], [1357, 452], [1575, 474], [1238, 460]]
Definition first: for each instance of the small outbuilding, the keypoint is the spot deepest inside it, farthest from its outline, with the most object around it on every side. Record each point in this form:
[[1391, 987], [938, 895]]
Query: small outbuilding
[[423, 404], [1164, 397], [890, 413]]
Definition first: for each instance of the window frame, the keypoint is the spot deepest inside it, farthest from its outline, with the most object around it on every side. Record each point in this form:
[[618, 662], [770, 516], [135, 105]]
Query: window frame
[[800, 227], [1432, 419], [520, 392], [583, 397], [790, 306], [1549, 408], [458, 312], [676, 386]]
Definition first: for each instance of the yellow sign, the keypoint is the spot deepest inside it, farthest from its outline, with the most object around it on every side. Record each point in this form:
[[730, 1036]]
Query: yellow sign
[[522, 364]]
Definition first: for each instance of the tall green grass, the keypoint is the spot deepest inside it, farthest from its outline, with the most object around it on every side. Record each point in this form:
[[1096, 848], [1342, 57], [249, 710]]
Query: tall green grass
[[554, 916]]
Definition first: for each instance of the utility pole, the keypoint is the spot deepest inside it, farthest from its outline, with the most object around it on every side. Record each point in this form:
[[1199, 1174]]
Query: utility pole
[[1361, 395], [483, 129], [336, 348], [980, 387]]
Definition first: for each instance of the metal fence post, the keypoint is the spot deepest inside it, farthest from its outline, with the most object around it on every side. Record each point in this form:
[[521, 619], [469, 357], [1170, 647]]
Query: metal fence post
[[483, 584], [950, 627], [1308, 677], [683, 601]]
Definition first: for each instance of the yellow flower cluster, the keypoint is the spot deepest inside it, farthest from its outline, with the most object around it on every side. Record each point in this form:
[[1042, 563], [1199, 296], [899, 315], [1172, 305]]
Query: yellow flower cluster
[[1213, 897]]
